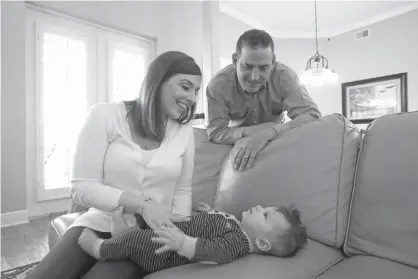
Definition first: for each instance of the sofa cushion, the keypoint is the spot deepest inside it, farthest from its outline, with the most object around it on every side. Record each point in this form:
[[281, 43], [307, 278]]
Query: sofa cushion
[[61, 223], [384, 214], [311, 166], [207, 166], [306, 264], [364, 267]]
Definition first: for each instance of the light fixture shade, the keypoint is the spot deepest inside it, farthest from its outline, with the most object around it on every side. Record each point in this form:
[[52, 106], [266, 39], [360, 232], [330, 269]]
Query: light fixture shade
[[318, 77], [317, 72], [330, 76], [306, 77]]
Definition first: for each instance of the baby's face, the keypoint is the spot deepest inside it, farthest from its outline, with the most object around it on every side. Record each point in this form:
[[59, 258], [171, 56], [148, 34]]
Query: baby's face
[[263, 222]]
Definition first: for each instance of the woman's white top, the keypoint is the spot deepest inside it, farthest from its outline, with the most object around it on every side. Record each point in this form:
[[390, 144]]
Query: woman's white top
[[108, 162]]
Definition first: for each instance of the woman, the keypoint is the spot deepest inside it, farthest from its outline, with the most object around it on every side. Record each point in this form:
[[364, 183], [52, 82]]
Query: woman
[[138, 155]]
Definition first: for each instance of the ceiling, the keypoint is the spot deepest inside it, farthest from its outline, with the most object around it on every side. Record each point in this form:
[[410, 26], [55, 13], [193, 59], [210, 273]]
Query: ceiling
[[296, 19]]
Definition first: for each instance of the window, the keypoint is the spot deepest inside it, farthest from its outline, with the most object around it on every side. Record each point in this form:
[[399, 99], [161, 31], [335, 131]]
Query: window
[[71, 66], [127, 71], [62, 80], [128, 61]]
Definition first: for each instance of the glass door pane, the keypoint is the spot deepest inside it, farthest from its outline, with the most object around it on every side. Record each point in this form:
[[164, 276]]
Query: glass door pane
[[127, 74], [63, 95]]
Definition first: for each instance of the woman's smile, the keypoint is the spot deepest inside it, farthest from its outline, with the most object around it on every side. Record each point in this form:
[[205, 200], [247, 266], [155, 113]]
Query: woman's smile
[[182, 105]]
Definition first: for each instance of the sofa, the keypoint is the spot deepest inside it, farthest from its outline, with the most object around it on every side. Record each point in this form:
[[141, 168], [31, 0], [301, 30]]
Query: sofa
[[357, 192]]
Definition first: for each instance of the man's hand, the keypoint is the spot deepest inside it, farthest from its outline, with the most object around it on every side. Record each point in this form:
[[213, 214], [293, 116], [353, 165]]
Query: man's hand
[[171, 237], [246, 149]]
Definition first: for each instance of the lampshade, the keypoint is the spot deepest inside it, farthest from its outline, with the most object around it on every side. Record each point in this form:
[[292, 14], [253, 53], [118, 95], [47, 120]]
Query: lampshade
[[317, 72]]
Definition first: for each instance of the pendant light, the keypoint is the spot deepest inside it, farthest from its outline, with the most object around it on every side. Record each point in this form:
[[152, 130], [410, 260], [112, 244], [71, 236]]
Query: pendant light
[[317, 72]]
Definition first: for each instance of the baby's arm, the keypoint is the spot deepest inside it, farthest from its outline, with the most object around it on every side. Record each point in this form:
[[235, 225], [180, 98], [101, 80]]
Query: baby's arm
[[222, 249], [218, 250]]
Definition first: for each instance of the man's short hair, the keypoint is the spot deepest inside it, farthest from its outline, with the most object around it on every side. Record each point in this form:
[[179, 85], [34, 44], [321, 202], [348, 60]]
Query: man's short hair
[[254, 38], [289, 243]]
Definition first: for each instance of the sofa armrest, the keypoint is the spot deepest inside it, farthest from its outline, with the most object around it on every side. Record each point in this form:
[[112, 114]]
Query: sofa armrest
[[59, 225]]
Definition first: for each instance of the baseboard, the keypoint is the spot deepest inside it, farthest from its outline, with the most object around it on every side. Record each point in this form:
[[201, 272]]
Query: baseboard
[[42, 209], [14, 218]]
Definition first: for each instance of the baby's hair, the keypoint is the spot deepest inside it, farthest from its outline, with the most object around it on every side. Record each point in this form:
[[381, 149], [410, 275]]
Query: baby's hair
[[293, 239]]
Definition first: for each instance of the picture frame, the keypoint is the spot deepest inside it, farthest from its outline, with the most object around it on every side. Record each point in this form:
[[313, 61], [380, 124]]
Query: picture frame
[[368, 99]]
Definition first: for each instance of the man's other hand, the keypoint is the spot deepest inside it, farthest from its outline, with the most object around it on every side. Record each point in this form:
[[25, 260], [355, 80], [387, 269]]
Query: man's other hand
[[252, 130], [246, 149]]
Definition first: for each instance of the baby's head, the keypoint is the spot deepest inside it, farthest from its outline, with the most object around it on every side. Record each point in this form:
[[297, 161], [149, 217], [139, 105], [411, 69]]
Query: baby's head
[[275, 231]]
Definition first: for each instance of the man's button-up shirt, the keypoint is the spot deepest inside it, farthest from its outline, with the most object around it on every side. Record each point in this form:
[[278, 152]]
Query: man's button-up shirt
[[230, 108]]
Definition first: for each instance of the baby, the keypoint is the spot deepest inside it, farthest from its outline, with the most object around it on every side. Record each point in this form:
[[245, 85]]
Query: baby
[[209, 237]]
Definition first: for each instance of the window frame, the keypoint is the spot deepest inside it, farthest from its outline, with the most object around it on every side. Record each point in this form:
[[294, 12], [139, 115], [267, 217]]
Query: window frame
[[99, 37], [42, 28], [116, 41]]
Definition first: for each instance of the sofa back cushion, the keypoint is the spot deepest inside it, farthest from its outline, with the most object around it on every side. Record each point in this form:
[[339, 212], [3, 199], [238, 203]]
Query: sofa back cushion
[[311, 167], [207, 166], [384, 210]]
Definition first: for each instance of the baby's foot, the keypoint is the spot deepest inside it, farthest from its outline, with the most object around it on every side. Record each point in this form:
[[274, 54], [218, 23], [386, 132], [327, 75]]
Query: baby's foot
[[90, 243]]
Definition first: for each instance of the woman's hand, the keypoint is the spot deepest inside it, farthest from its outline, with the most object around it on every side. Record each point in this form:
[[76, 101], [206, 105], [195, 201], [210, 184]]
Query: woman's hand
[[131, 202], [153, 213], [204, 207], [171, 237], [118, 224], [157, 215]]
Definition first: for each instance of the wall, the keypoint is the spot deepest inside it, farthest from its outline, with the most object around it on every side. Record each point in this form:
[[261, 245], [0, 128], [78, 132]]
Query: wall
[[391, 48], [159, 19], [229, 39], [162, 20], [13, 111], [292, 52]]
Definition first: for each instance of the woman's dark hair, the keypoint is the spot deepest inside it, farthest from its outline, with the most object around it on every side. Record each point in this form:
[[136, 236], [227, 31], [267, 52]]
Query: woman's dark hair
[[145, 111]]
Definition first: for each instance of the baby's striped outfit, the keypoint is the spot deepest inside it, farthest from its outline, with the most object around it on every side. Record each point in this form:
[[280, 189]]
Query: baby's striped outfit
[[220, 239]]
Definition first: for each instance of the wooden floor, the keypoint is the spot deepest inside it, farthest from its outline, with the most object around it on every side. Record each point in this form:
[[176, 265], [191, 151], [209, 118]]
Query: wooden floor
[[25, 243]]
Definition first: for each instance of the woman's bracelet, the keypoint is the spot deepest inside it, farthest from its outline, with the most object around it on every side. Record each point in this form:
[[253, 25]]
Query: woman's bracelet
[[142, 206]]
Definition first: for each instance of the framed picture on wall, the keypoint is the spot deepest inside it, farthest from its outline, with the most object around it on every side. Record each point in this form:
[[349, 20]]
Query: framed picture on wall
[[367, 99]]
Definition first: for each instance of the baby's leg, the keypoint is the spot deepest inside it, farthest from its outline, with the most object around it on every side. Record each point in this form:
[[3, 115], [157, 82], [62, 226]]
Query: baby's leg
[[90, 242], [115, 248], [135, 245]]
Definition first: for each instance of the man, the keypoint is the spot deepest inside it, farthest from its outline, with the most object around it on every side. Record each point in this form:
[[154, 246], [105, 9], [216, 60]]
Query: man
[[247, 100]]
